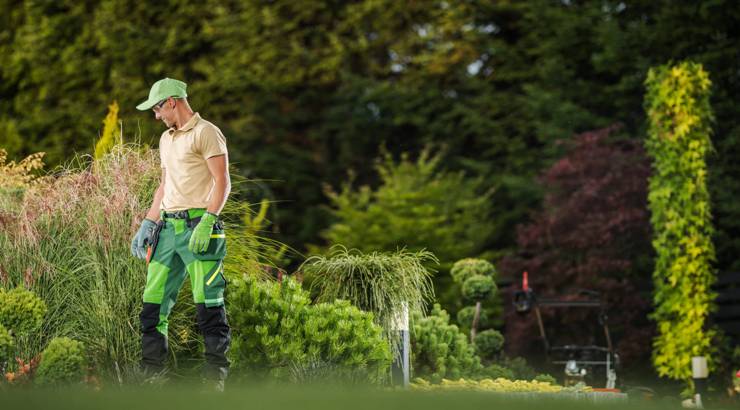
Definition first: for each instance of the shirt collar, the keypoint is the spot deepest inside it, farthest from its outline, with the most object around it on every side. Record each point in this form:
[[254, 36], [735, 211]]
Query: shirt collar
[[188, 125]]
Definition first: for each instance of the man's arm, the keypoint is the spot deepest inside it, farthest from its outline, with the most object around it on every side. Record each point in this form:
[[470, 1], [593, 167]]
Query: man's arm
[[153, 213], [219, 167]]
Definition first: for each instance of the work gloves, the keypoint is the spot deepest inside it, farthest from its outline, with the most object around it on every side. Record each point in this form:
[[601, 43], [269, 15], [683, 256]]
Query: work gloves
[[202, 233], [138, 245]]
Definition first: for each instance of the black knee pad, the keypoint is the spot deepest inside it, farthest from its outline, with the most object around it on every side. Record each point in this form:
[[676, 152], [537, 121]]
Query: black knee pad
[[149, 317]]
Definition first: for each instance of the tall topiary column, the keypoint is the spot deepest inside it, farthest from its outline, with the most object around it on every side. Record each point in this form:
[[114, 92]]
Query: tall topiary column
[[677, 104]]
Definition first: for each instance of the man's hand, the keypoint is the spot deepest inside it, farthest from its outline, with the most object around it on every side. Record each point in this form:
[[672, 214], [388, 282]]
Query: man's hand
[[138, 245], [202, 233]]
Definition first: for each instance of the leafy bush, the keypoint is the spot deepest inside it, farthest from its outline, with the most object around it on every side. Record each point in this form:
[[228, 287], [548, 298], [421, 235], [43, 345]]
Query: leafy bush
[[545, 378], [385, 284], [519, 366], [6, 343], [495, 371], [277, 332], [465, 268], [439, 349], [677, 103], [488, 344], [62, 363], [478, 287], [21, 311]]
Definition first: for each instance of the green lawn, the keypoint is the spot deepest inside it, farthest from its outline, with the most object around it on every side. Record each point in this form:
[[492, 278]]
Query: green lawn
[[289, 397]]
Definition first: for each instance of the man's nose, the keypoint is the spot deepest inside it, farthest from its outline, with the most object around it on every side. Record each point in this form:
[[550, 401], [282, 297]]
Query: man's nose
[[156, 115]]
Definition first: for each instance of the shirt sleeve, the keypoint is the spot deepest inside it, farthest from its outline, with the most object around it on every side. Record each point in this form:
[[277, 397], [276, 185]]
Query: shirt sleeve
[[161, 151], [211, 142]]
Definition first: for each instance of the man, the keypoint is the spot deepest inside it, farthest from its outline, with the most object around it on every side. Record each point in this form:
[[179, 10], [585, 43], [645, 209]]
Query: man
[[183, 232]]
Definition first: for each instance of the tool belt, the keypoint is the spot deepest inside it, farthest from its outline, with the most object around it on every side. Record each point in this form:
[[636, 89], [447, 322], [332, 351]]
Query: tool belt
[[185, 214]]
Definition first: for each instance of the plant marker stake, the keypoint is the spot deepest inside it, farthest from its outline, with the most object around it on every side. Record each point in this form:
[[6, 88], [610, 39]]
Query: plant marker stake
[[400, 367], [699, 373]]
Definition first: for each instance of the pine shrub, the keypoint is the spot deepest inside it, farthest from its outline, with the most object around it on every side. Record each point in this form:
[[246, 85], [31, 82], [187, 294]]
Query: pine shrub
[[440, 350], [62, 363], [465, 268], [478, 287], [277, 332], [21, 311]]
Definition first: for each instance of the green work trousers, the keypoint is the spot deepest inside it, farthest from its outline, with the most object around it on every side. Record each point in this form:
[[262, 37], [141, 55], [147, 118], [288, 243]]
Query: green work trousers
[[169, 264]]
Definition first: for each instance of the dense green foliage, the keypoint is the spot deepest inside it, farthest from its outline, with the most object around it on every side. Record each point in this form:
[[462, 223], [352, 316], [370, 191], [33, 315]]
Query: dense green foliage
[[478, 287], [71, 238], [465, 268], [440, 350], [417, 206], [388, 284], [489, 344], [6, 344], [277, 332], [306, 90], [62, 363], [677, 104], [21, 311]]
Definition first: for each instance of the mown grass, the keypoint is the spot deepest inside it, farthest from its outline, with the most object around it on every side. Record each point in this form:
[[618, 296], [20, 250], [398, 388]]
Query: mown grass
[[296, 397]]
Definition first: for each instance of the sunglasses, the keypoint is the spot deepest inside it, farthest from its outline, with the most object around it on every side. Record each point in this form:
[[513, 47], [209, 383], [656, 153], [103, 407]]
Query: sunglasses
[[160, 104]]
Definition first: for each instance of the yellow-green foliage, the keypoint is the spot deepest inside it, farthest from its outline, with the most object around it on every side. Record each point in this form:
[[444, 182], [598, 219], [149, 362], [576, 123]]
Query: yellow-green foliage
[[500, 385], [679, 113], [110, 130], [6, 343], [62, 362], [21, 310], [18, 175]]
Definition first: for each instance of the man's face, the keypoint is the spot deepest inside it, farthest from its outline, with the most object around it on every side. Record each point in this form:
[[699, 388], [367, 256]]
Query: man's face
[[164, 111]]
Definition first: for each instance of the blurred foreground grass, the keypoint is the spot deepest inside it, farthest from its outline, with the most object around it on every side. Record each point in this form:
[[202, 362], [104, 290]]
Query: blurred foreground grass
[[292, 397]]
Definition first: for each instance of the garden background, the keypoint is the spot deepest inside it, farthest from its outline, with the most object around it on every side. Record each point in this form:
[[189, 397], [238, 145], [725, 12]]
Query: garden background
[[511, 131]]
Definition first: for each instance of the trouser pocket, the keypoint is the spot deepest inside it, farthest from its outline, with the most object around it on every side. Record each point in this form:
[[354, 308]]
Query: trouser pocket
[[216, 246]]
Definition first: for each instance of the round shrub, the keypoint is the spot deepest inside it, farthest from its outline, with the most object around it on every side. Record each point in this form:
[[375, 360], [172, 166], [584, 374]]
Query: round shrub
[[6, 343], [440, 350], [488, 343], [546, 378], [62, 363], [478, 287], [465, 318], [465, 268], [21, 310], [495, 371]]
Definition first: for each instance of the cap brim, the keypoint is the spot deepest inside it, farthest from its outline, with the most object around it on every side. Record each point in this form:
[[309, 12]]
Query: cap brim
[[146, 105]]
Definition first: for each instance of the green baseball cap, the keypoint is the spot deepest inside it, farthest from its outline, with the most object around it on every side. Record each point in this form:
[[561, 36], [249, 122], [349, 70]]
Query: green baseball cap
[[163, 89]]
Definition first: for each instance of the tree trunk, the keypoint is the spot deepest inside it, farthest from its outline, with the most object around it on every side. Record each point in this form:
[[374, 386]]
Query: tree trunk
[[474, 328]]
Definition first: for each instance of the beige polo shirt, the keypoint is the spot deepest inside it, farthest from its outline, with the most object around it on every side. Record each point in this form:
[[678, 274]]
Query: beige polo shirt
[[183, 153]]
